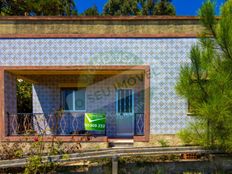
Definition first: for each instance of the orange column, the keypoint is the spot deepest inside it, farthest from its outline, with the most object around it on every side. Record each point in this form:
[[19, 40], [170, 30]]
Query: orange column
[[147, 104], [2, 112]]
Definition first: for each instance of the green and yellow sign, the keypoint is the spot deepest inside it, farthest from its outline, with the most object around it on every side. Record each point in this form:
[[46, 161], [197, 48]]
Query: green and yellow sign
[[95, 122]]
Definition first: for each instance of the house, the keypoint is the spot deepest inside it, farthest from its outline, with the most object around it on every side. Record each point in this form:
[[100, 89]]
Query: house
[[122, 68]]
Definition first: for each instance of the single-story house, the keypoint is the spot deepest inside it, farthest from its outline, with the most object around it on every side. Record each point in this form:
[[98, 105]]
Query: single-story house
[[122, 68]]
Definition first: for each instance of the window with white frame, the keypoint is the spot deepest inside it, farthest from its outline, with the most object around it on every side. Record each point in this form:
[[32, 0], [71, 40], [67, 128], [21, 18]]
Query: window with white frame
[[73, 99]]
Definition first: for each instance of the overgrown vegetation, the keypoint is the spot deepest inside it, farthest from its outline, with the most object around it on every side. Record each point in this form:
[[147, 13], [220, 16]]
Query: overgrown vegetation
[[36, 163], [163, 143], [141, 159], [207, 81], [24, 96]]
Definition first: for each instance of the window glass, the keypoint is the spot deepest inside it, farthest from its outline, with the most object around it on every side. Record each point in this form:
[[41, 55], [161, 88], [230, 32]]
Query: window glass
[[73, 99], [80, 99], [124, 101], [68, 99]]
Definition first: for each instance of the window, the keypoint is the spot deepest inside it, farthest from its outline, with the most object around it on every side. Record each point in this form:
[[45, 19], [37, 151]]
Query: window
[[124, 101], [73, 99]]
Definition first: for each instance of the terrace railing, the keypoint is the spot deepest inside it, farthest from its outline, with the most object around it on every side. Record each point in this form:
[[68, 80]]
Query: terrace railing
[[46, 124], [139, 123], [57, 124]]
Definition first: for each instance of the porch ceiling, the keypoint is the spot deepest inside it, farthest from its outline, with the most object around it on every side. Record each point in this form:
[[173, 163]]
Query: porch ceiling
[[74, 72], [28, 72], [92, 69]]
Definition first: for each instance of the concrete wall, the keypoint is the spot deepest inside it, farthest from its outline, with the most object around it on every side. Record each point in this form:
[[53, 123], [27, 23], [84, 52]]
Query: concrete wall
[[10, 93], [100, 25], [10, 100]]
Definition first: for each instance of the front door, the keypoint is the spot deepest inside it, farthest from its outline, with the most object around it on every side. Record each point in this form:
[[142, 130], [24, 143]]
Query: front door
[[125, 112]]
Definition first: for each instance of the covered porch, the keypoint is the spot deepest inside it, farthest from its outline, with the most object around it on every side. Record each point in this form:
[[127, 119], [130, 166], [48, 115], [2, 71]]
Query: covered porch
[[61, 97]]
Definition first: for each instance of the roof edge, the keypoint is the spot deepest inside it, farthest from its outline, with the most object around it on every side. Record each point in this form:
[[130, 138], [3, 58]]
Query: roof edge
[[164, 35], [96, 18]]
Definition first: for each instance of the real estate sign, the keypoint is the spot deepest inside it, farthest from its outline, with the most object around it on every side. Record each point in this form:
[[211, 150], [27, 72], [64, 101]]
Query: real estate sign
[[95, 122]]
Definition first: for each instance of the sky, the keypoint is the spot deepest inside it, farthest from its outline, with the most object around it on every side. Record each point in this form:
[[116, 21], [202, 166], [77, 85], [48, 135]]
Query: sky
[[183, 7]]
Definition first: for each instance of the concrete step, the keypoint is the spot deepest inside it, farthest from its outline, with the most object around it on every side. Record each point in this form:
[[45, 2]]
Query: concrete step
[[121, 143]]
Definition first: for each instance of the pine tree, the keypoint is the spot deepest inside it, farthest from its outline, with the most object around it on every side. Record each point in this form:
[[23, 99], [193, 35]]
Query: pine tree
[[207, 81], [121, 8], [92, 11], [164, 7]]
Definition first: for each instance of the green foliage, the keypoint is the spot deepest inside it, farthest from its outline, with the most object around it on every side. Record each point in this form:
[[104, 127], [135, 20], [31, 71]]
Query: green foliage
[[121, 8], [65, 157], [37, 7], [138, 7], [163, 143], [36, 162], [164, 7], [147, 7], [92, 11], [67, 8], [11, 150], [24, 96], [194, 134], [207, 81]]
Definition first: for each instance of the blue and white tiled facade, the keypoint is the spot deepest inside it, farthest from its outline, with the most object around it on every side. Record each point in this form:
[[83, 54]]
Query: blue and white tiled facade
[[164, 56]]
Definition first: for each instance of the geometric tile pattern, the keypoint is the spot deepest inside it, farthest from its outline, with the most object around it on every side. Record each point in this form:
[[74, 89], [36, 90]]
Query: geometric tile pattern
[[139, 124], [10, 99], [165, 57]]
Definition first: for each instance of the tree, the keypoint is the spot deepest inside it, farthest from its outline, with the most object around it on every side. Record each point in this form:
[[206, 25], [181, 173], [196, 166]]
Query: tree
[[121, 8], [38, 8], [24, 96], [92, 11], [164, 7], [138, 7], [207, 81], [157, 7], [147, 7]]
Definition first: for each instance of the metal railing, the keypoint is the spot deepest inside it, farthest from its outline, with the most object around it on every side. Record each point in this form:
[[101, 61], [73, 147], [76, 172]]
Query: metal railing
[[139, 124], [46, 124], [57, 124]]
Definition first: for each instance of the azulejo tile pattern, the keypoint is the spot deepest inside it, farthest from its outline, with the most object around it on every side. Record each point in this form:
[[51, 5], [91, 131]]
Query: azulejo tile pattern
[[165, 57]]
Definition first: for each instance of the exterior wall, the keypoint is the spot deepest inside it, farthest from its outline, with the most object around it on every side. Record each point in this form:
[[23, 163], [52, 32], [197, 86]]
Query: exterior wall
[[10, 99], [165, 57], [133, 26], [10, 93], [100, 97]]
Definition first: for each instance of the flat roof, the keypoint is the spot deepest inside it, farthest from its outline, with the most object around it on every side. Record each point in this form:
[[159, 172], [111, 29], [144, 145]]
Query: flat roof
[[100, 26], [95, 18]]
